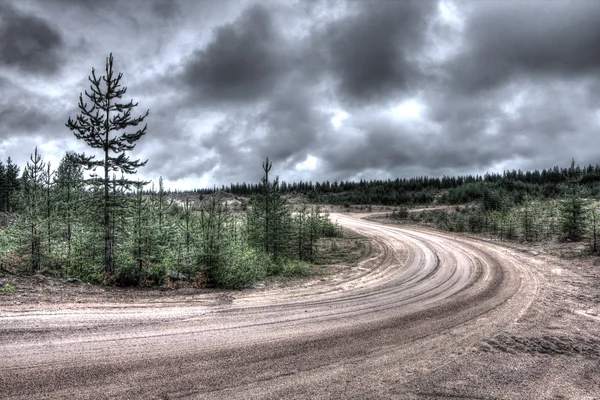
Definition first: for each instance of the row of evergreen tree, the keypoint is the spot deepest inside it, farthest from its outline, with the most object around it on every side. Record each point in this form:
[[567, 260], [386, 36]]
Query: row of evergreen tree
[[424, 190], [106, 227], [57, 227], [571, 217]]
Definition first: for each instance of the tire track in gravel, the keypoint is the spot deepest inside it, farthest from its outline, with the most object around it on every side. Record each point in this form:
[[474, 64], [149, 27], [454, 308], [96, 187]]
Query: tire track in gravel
[[420, 301]]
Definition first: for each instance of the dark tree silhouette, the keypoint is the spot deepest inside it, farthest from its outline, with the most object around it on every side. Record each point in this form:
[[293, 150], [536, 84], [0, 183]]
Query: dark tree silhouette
[[68, 180], [9, 180], [33, 180], [97, 126]]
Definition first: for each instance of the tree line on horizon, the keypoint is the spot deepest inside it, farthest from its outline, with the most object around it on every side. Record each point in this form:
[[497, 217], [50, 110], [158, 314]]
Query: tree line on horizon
[[560, 202], [513, 184], [567, 211]]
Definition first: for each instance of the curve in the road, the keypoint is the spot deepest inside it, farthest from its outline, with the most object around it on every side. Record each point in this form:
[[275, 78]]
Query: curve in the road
[[421, 299]]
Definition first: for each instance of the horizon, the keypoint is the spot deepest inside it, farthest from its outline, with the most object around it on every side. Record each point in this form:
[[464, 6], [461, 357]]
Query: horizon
[[314, 182]]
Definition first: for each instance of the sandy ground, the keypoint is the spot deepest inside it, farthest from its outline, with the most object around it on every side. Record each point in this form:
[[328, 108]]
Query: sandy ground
[[425, 315]]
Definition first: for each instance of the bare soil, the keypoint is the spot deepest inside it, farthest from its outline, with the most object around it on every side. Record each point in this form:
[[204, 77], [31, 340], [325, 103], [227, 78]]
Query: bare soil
[[423, 315]]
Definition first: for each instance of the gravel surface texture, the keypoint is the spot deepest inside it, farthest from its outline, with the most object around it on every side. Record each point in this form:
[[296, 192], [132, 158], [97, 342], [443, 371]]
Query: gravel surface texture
[[425, 315]]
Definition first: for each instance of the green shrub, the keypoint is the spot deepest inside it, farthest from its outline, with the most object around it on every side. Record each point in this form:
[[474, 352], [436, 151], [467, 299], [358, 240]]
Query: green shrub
[[88, 272], [296, 268], [275, 267], [7, 288], [127, 273], [241, 267], [401, 213], [155, 274]]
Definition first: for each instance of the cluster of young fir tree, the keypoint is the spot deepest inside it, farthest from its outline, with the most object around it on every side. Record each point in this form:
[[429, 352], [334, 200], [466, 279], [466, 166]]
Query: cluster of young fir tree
[[58, 229], [572, 216], [106, 227]]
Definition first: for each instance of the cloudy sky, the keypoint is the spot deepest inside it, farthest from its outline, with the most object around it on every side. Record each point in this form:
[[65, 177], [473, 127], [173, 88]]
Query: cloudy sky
[[326, 89]]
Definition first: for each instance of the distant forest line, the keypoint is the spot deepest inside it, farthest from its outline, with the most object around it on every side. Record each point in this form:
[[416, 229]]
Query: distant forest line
[[513, 186]]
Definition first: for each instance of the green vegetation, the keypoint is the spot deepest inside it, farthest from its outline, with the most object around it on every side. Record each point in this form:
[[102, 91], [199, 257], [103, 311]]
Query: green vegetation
[[566, 210], [104, 228], [7, 288], [154, 237], [572, 218], [494, 191], [96, 126], [525, 205]]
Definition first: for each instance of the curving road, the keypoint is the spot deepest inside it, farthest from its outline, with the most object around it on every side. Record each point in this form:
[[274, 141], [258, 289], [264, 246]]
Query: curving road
[[416, 305]]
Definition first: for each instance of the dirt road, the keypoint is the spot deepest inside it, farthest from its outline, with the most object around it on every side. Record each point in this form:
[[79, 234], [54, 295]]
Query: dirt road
[[428, 315]]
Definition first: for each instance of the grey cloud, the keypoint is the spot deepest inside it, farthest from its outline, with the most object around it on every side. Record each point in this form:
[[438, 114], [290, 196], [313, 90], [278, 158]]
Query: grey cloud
[[19, 119], [508, 39], [26, 112], [370, 52], [191, 160], [241, 63], [382, 145], [475, 135], [269, 78], [551, 125], [165, 9], [28, 42], [286, 129], [293, 125], [89, 4]]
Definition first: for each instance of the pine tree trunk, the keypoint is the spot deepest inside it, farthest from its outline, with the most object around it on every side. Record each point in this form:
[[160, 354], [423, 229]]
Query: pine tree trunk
[[48, 224], [595, 232], [69, 224], [595, 237], [139, 236], [107, 243]]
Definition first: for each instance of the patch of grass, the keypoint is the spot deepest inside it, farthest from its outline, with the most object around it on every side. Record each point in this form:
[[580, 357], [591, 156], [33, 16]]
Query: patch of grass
[[297, 268], [7, 288]]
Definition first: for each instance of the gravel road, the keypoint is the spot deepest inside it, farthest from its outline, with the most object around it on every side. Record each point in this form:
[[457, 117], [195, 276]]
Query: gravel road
[[411, 321]]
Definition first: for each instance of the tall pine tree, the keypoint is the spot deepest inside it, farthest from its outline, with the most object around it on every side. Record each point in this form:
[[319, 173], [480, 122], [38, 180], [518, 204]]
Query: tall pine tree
[[11, 185], [3, 187], [98, 126], [33, 180], [68, 181], [270, 218]]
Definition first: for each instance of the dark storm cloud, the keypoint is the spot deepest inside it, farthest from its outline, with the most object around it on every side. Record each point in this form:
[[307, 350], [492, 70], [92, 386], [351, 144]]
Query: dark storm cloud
[[544, 123], [190, 161], [286, 129], [506, 39], [241, 63], [165, 9], [292, 125], [501, 84], [26, 111], [89, 4], [370, 53], [19, 119], [28, 42], [527, 56]]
